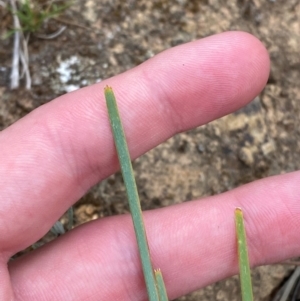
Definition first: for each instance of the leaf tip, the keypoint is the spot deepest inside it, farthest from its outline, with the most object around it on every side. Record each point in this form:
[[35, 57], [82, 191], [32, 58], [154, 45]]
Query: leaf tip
[[238, 211], [108, 89]]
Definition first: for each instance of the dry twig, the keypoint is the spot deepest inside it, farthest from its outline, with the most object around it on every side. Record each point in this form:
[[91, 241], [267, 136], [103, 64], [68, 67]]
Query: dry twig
[[14, 77], [20, 53]]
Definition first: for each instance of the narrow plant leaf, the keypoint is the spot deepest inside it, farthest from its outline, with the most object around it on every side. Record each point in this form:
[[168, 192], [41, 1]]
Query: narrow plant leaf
[[290, 285], [245, 273], [132, 194], [160, 286], [58, 229]]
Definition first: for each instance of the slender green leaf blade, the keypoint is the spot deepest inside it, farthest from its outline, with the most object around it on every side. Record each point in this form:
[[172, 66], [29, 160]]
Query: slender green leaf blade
[[160, 286], [245, 273], [132, 194]]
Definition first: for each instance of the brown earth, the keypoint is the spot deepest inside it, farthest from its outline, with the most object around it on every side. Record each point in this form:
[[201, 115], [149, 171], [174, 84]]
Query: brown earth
[[104, 38]]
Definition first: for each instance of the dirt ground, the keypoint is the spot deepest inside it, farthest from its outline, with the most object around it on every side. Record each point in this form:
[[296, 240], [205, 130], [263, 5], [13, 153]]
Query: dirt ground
[[104, 38]]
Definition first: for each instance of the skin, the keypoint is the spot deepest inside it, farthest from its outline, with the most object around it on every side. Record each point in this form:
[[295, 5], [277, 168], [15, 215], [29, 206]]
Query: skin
[[50, 158]]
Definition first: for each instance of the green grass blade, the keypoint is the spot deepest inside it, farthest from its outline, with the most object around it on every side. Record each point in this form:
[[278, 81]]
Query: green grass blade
[[132, 194], [245, 273], [160, 286]]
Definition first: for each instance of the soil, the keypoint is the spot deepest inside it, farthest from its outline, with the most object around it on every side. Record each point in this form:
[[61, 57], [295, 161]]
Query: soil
[[104, 38]]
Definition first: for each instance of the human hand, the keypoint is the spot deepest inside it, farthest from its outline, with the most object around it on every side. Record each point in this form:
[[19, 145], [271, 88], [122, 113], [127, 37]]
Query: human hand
[[50, 158]]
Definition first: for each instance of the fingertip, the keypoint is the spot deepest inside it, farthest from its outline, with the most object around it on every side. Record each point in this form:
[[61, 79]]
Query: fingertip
[[255, 51], [219, 74]]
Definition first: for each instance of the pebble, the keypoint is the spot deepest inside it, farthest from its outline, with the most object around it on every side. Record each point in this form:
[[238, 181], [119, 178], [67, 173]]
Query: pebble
[[246, 156]]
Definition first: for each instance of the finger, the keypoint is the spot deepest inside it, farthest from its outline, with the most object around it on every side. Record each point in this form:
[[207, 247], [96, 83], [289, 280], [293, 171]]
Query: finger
[[53, 156], [193, 243]]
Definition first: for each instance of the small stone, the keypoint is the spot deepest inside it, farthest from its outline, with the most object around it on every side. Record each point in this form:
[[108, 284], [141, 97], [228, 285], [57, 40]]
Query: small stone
[[268, 148], [236, 122], [89, 209], [201, 148], [246, 156], [26, 103], [118, 48]]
